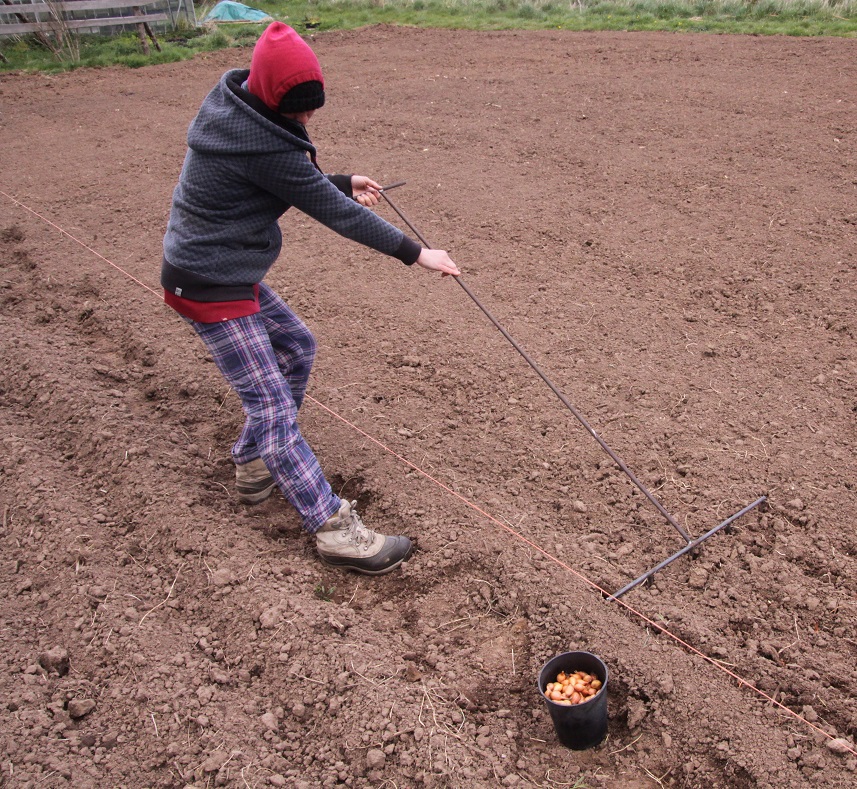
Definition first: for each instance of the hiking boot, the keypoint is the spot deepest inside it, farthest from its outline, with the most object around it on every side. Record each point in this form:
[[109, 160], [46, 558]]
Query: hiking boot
[[344, 541], [253, 481]]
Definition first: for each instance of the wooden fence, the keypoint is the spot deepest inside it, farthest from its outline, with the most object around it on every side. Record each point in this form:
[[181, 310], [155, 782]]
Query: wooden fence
[[21, 17]]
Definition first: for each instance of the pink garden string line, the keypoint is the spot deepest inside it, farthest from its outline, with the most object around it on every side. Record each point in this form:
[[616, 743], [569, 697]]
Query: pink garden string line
[[525, 540], [78, 241], [592, 584]]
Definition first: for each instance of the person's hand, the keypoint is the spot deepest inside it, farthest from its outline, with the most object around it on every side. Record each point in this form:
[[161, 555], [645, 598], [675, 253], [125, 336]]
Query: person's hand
[[438, 260], [365, 191]]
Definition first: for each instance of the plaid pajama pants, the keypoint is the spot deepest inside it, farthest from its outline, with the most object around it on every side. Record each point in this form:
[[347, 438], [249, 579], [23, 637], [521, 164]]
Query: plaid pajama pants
[[266, 358]]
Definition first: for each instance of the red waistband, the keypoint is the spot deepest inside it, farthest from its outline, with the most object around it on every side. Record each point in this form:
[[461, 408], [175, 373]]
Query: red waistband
[[213, 311]]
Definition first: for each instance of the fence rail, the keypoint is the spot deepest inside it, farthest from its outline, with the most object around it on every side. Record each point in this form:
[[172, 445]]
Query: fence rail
[[70, 5], [21, 18]]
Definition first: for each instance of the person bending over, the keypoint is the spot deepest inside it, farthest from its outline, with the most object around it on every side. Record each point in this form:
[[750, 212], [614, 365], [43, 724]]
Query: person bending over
[[249, 160]]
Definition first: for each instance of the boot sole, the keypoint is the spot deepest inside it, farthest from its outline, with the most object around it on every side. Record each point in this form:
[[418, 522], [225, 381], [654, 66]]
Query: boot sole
[[348, 564]]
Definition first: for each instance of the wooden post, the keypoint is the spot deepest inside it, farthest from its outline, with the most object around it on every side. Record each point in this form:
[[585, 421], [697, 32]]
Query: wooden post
[[152, 36], [141, 30]]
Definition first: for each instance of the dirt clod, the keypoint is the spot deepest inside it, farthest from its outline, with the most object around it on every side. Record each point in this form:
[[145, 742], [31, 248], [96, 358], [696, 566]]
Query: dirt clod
[[78, 708], [55, 660]]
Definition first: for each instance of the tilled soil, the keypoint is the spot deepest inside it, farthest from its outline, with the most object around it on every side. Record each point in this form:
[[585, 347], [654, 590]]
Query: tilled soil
[[665, 223]]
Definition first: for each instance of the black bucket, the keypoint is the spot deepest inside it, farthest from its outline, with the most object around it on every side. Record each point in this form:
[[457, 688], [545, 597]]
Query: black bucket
[[578, 726]]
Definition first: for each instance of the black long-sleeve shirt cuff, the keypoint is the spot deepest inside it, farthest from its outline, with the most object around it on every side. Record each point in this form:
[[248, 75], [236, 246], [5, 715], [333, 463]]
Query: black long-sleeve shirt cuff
[[341, 182], [408, 251]]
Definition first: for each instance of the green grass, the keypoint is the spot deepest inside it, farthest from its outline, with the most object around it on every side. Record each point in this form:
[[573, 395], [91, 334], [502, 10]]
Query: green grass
[[324, 593], [756, 17]]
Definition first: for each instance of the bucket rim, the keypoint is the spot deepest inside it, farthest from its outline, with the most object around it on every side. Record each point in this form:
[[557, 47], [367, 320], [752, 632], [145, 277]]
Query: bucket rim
[[570, 655]]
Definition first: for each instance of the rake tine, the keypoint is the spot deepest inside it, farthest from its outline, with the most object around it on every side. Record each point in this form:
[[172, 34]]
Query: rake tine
[[686, 549]]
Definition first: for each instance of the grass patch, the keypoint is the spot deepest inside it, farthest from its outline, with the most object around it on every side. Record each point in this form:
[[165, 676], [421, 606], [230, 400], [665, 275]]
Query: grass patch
[[324, 593], [756, 17]]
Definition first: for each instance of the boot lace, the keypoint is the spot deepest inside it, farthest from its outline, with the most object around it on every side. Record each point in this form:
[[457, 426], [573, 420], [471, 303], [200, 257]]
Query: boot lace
[[358, 533]]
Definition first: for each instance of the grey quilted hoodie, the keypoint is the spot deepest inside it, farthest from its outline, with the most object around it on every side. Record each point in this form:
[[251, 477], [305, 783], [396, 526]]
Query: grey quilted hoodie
[[245, 167]]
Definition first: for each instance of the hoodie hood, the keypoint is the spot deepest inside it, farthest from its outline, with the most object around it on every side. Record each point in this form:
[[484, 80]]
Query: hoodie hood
[[233, 121], [281, 60]]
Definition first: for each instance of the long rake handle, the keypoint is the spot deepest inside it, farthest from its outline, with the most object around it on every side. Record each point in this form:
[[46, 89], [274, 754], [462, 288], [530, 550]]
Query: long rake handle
[[580, 418]]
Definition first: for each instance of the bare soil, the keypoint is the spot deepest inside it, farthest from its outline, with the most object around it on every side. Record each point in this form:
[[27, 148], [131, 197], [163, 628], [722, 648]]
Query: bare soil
[[665, 223]]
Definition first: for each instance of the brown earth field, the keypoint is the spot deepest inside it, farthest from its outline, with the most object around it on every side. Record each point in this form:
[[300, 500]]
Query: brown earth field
[[665, 223]]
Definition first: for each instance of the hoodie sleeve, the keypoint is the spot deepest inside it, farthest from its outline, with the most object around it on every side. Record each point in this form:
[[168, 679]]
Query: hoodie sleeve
[[292, 178]]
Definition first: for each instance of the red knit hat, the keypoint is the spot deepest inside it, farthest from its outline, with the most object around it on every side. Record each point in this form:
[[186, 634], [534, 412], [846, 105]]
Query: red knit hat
[[281, 61]]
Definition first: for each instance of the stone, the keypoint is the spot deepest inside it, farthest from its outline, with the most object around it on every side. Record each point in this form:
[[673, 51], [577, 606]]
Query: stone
[[77, 708], [375, 759], [839, 745]]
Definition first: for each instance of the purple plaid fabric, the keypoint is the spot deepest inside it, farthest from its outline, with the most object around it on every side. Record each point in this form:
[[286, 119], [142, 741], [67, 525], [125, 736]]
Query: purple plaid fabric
[[266, 358]]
